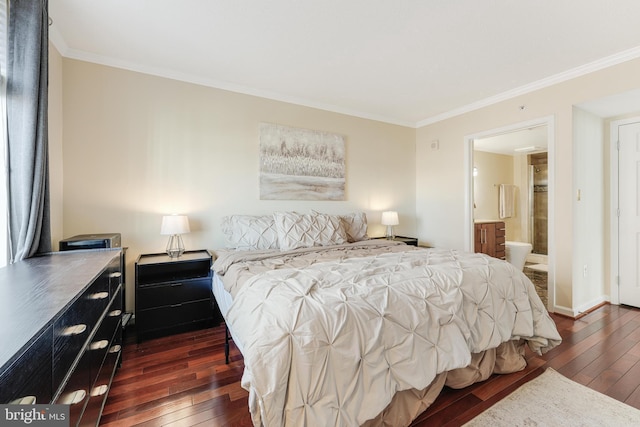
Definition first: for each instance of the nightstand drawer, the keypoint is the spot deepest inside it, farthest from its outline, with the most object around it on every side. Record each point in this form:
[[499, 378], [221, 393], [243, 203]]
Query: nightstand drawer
[[168, 294], [171, 316]]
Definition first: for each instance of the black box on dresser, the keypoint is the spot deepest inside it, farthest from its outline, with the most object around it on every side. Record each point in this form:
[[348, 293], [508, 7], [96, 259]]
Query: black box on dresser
[[61, 333]]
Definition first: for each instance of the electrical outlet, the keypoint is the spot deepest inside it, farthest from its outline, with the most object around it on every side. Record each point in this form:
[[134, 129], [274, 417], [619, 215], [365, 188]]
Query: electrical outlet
[[435, 145]]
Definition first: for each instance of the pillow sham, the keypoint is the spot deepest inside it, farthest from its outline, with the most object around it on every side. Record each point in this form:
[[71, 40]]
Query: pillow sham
[[354, 225], [250, 233], [306, 230]]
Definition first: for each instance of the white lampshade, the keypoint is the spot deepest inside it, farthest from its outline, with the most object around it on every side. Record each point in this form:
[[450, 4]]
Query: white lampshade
[[174, 224], [390, 218]]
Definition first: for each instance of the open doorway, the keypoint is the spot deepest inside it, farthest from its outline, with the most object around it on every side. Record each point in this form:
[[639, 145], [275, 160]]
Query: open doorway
[[520, 157]]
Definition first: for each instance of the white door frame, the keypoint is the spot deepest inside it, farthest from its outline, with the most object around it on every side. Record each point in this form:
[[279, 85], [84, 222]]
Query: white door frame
[[614, 223], [549, 121]]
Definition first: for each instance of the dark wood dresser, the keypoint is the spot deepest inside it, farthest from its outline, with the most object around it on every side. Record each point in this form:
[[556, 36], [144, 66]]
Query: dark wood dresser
[[61, 330]]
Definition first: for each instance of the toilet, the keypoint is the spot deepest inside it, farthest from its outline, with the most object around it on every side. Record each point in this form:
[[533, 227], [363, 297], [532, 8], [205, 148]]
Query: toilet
[[516, 253]]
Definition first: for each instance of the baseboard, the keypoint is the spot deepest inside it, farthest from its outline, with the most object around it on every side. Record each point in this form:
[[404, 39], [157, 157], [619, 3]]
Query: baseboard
[[576, 313]]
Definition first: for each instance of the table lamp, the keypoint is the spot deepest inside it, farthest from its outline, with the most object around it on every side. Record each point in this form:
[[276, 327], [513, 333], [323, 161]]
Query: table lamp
[[390, 218], [173, 226]]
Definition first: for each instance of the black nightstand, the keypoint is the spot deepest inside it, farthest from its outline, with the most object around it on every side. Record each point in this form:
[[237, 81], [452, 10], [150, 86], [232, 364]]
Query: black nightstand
[[174, 294], [408, 240]]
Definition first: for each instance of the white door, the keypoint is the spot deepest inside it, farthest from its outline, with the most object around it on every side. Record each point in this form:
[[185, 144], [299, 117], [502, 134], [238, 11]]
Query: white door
[[629, 219]]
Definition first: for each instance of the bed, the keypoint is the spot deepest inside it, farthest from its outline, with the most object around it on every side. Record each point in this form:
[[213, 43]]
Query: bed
[[338, 329]]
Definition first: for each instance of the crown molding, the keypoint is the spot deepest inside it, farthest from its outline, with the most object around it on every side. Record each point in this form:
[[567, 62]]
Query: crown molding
[[582, 70], [591, 67]]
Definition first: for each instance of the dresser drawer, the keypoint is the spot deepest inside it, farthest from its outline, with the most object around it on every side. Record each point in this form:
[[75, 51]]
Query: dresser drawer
[[75, 392], [72, 329], [102, 383], [30, 375], [168, 294], [102, 339], [171, 316]]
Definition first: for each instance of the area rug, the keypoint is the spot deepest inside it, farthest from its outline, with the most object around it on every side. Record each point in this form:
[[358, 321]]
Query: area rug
[[554, 400]]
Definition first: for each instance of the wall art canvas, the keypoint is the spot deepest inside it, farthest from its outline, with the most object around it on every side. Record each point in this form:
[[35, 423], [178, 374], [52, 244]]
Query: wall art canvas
[[301, 164]]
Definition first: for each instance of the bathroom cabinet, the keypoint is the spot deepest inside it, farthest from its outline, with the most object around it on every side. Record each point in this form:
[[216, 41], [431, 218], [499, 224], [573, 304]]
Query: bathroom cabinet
[[490, 238]]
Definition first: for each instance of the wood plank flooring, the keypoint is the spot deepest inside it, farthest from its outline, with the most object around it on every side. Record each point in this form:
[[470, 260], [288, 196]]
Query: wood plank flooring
[[182, 380]]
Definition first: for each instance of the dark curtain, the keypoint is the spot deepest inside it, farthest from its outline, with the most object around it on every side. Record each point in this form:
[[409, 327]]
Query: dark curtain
[[27, 83]]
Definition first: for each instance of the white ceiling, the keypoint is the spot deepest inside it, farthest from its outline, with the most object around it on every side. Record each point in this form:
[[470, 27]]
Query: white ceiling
[[410, 62]]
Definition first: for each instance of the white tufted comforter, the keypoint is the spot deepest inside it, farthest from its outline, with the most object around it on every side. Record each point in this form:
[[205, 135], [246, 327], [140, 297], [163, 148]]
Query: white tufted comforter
[[330, 334]]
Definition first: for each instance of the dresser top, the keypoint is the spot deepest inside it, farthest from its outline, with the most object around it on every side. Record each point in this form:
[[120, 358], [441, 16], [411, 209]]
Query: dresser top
[[34, 291]]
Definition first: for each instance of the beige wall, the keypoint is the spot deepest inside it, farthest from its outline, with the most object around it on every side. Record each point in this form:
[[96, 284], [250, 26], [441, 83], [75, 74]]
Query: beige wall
[[138, 146], [440, 196]]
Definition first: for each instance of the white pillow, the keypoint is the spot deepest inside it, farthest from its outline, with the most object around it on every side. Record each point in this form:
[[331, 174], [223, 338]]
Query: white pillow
[[355, 225], [250, 233], [306, 230]]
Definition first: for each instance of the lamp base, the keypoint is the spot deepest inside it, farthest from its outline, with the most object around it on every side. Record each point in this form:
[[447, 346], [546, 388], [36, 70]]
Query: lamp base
[[390, 235], [175, 247]]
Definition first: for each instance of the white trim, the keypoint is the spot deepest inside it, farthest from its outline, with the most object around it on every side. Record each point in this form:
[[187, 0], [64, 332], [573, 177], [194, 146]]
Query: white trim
[[224, 85], [599, 64], [583, 309], [614, 129], [548, 121], [591, 67]]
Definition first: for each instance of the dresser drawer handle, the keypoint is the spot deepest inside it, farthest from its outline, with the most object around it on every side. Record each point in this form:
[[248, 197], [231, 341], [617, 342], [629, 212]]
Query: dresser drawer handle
[[74, 330], [115, 275], [74, 397], [99, 295], [99, 345], [27, 400], [173, 285], [99, 390], [116, 348], [115, 313]]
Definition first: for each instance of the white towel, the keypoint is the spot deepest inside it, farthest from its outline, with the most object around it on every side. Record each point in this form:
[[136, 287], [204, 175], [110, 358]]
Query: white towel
[[507, 200]]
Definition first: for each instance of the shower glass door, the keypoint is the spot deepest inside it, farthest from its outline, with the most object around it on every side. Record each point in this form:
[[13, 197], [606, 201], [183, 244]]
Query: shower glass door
[[538, 207]]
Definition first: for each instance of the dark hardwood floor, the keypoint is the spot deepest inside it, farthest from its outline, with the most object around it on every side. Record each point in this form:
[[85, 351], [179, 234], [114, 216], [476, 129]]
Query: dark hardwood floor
[[182, 380]]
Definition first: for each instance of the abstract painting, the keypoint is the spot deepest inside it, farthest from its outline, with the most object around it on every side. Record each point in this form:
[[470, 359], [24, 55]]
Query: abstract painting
[[301, 164]]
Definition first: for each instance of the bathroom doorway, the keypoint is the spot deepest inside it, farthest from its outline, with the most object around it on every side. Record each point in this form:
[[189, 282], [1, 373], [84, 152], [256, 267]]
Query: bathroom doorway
[[523, 156]]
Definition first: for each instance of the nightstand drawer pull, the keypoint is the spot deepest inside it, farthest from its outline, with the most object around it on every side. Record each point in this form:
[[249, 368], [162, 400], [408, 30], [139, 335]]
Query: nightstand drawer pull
[[173, 285], [99, 295], [74, 330]]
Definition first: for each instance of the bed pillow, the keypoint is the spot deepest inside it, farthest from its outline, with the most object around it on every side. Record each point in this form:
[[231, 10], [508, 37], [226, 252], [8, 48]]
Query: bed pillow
[[354, 225], [306, 230], [250, 233]]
